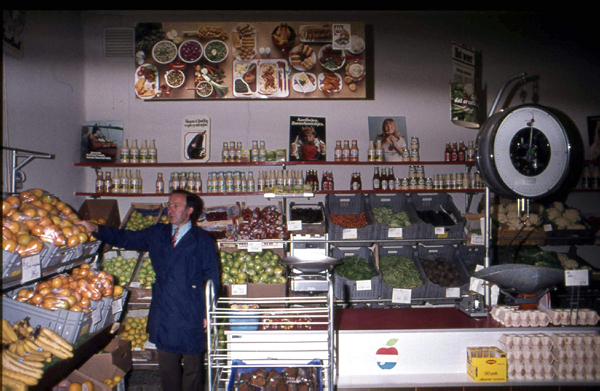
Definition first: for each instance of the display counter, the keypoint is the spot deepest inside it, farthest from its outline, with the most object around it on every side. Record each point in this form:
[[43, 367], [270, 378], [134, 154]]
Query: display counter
[[423, 347]]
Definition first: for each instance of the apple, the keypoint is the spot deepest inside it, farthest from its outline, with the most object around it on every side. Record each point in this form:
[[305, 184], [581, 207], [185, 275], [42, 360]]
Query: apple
[[387, 356]]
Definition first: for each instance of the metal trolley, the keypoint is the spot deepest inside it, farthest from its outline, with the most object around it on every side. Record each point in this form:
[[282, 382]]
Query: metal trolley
[[281, 332]]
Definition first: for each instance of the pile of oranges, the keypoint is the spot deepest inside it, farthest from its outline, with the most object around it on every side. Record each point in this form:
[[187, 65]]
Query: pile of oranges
[[74, 292], [35, 217]]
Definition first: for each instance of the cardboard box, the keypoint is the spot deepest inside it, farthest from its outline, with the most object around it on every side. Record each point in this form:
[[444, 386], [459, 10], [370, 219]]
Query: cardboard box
[[532, 237], [487, 364], [146, 209], [474, 227], [101, 209], [115, 361]]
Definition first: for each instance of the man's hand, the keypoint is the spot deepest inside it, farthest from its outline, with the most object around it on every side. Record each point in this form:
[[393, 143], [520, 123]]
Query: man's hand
[[89, 226]]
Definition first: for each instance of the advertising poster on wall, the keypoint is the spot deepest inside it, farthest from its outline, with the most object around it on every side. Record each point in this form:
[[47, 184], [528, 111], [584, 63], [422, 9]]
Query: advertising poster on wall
[[390, 131], [463, 97], [196, 139], [101, 141], [261, 60], [308, 138]]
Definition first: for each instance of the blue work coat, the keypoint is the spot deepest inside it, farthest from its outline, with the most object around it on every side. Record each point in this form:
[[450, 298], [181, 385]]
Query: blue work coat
[[177, 310]]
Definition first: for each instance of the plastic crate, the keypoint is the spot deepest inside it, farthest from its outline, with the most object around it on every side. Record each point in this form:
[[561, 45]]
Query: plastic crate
[[471, 256], [68, 324], [403, 251], [11, 264], [90, 248], [567, 237], [351, 204], [436, 202], [398, 203], [450, 254], [316, 227], [114, 307], [347, 289], [56, 255]]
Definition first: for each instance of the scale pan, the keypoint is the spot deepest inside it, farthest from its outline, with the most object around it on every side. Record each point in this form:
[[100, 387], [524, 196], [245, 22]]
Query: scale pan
[[522, 278], [310, 263]]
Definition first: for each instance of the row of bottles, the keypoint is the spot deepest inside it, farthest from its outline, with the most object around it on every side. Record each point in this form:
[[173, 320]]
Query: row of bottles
[[591, 177], [121, 181], [384, 179], [191, 181], [459, 152], [234, 152], [345, 152], [147, 153]]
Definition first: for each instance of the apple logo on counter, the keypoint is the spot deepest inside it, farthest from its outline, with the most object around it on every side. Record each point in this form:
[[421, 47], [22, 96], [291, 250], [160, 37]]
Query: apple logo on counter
[[387, 356]]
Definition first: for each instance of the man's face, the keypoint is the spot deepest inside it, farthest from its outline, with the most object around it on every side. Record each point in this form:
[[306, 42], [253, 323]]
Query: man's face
[[178, 213]]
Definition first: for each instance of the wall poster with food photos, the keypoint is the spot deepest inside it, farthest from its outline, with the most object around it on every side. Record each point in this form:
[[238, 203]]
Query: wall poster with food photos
[[264, 60]]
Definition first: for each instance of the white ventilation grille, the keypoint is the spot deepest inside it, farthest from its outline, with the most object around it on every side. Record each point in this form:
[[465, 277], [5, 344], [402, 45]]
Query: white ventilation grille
[[119, 43]]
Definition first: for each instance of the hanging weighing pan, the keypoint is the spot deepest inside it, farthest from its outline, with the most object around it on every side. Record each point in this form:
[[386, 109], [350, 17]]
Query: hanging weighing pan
[[311, 263], [522, 278]]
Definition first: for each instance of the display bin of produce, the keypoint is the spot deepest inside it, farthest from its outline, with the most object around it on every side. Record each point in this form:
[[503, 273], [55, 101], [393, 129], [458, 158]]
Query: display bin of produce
[[357, 277], [261, 222], [57, 255], [11, 264], [297, 376], [90, 248], [114, 307], [105, 212], [349, 218], [220, 231], [399, 270], [566, 236], [443, 269], [120, 264], [440, 218], [225, 214], [68, 324], [395, 217], [312, 217], [141, 281], [142, 215], [471, 256], [257, 275]]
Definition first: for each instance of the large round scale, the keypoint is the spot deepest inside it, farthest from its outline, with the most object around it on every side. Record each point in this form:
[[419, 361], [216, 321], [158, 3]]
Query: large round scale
[[523, 152]]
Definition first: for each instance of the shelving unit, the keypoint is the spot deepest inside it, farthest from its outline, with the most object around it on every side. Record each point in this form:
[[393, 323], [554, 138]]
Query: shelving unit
[[248, 339]]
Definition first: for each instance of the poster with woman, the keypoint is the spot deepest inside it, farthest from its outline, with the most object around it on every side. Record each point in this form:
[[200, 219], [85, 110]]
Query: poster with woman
[[391, 133]]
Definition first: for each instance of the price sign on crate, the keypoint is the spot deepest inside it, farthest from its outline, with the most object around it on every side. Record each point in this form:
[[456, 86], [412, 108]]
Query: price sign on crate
[[577, 278]]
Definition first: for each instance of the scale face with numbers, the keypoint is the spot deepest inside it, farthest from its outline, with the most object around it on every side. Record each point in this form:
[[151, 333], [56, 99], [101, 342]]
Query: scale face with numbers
[[523, 152]]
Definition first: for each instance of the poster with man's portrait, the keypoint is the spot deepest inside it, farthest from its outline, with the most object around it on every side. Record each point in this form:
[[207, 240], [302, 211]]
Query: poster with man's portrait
[[594, 137], [307, 138], [391, 133]]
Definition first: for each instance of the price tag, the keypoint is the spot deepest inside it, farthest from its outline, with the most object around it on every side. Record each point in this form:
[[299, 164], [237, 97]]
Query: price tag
[[149, 345], [135, 284], [117, 306], [294, 225], [477, 239], [255, 247], [395, 232], [349, 233], [239, 289], [31, 268], [363, 285], [577, 278], [439, 230], [548, 227], [452, 292], [401, 296]]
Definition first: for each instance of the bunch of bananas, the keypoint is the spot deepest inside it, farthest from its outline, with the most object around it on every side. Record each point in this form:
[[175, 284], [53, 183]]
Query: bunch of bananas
[[26, 350]]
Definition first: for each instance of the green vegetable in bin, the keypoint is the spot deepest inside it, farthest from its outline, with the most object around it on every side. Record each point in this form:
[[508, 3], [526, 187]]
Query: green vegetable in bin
[[399, 271], [385, 215], [355, 268]]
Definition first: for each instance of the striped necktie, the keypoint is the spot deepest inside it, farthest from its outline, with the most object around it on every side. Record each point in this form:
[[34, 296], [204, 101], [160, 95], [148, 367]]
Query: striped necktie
[[175, 236]]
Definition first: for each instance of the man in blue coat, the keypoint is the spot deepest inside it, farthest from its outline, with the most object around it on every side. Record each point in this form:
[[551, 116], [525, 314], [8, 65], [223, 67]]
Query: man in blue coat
[[184, 258]]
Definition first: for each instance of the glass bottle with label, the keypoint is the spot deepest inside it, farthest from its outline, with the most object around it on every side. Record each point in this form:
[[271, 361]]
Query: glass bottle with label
[[225, 153], [254, 152], [108, 183], [383, 179], [376, 179], [116, 182], [125, 181], [134, 181], [238, 152], [124, 152], [462, 149], [454, 152], [378, 151], [391, 179], [134, 153], [153, 152], [448, 153], [190, 184], [262, 151], [160, 184], [346, 151], [337, 152], [354, 151], [470, 156], [371, 152], [144, 152], [99, 181]]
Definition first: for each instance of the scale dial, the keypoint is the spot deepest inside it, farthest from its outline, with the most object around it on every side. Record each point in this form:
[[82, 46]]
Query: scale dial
[[523, 152]]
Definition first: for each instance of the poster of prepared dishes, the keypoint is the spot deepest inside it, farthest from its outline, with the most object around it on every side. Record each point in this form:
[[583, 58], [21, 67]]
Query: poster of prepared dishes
[[258, 60]]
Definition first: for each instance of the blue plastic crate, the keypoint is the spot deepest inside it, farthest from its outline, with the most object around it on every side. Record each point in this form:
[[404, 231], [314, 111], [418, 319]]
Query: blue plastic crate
[[351, 204], [239, 367], [437, 202], [450, 254]]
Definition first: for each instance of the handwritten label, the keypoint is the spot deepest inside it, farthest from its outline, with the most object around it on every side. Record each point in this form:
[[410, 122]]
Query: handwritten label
[[401, 296], [363, 285], [294, 225], [577, 278], [31, 268], [395, 232], [349, 233], [439, 230], [254, 247], [117, 306], [239, 289], [452, 292]]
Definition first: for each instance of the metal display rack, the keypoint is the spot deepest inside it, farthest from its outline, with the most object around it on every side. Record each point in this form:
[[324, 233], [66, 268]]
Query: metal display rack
[[282, 332]]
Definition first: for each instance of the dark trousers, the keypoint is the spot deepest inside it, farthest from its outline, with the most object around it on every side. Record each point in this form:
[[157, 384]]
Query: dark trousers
[[174, 376]]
